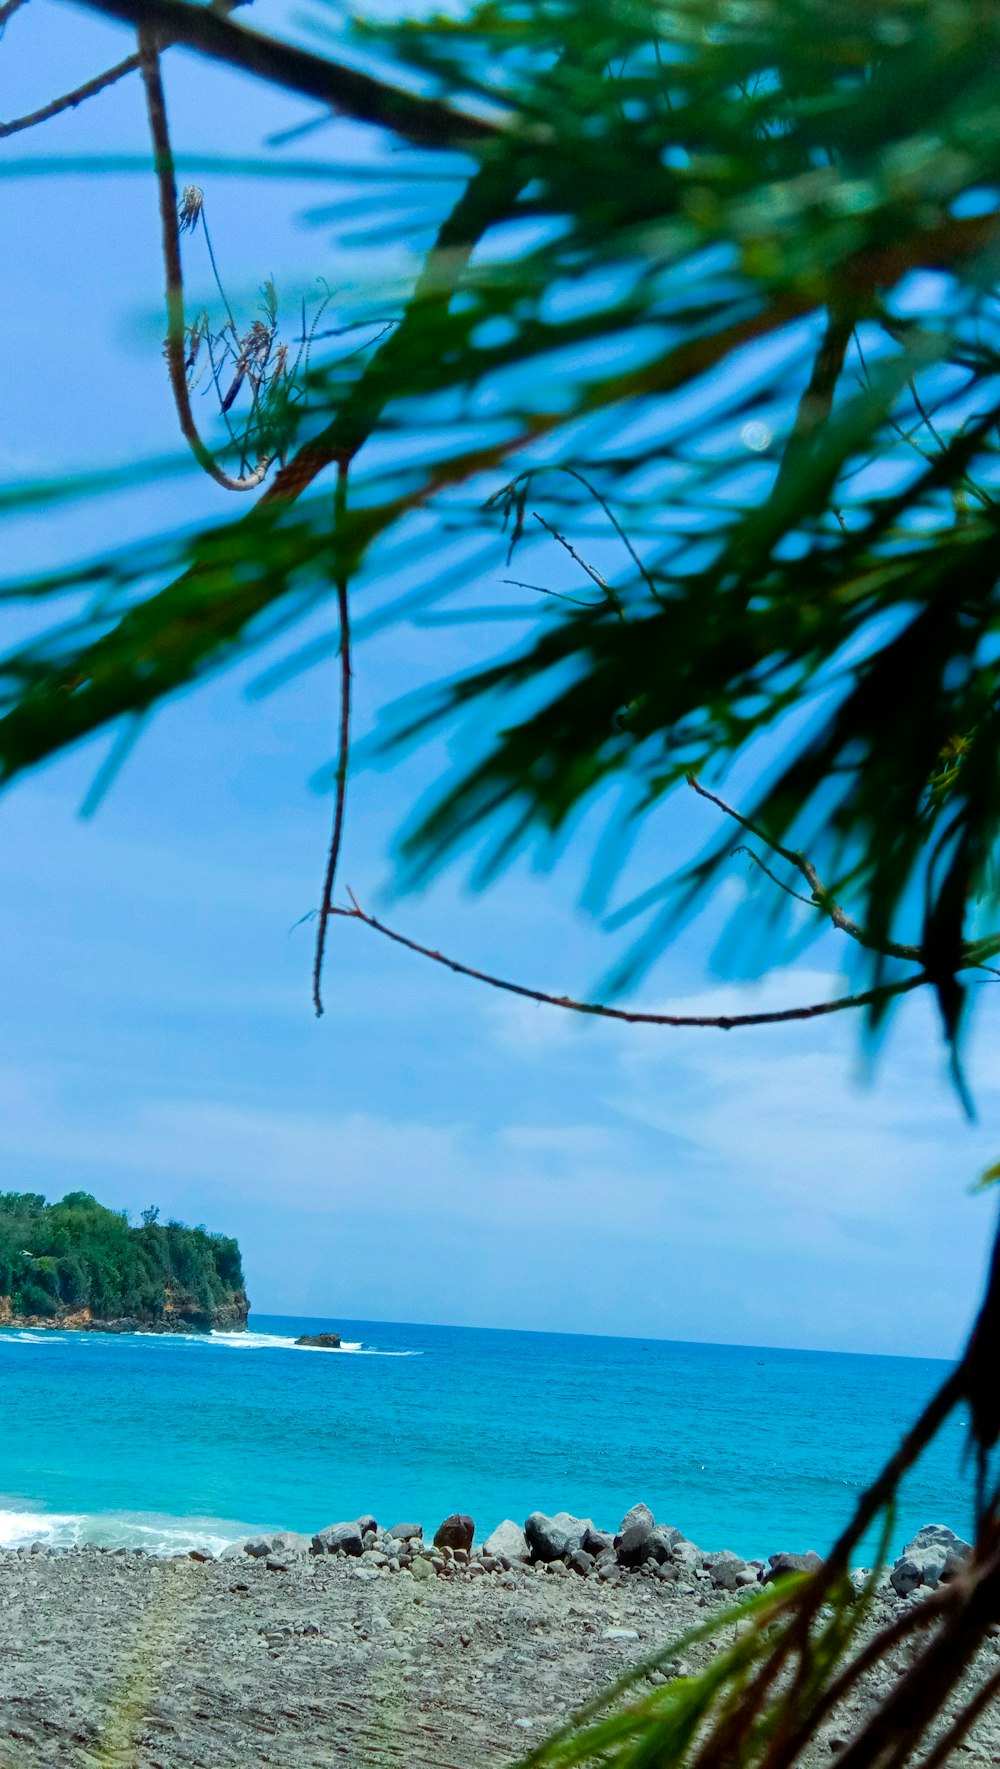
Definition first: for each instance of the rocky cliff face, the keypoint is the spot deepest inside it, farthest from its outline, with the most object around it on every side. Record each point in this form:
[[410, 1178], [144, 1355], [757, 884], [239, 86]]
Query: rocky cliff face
[[180, 1315]]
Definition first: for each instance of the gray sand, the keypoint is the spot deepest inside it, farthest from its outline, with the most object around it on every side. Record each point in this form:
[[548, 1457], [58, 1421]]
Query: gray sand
[[120, 1659]]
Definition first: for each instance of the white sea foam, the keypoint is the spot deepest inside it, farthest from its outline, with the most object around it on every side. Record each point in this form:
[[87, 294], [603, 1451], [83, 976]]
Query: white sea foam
[[119, 1529], [246, 1341], [251, 1341], [24, 1336]]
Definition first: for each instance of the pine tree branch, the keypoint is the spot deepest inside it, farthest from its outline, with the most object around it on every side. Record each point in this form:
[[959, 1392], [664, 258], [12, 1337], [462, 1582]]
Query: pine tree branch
[[630, 1016], [354, 94], [70, 100]]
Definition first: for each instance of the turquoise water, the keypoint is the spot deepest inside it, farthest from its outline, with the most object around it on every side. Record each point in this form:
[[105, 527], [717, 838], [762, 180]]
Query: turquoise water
[[177, 1442]]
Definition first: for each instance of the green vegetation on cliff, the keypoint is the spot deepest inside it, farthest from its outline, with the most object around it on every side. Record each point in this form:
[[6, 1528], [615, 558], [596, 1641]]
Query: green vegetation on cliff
[[76, 1254]]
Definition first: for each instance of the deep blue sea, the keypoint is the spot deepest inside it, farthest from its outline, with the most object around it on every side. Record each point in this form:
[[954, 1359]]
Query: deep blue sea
[[177, 1442]]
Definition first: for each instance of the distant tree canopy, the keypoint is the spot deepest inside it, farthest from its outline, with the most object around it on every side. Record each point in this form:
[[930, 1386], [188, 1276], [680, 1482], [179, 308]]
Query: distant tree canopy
[[78, 1254]]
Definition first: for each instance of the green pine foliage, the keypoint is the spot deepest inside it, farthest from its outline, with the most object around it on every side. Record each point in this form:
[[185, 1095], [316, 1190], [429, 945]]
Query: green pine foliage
[[78, 1254], [709, 325]]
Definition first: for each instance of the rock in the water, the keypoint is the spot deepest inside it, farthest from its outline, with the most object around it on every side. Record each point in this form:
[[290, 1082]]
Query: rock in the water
[[934, 1555], [781, 1564], [320, 1341], [553, 1538], [406, 1532], [339, 1538], [456, 1531], [508, 1542]]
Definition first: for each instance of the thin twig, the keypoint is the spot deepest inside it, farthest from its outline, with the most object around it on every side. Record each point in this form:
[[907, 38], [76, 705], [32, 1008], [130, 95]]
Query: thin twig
[[591, 570], [518, 583], [344, 739], [720, 1022], [69, 100], [215, 273], [581, 478], [775, 880], [820, 895], [149, 61]]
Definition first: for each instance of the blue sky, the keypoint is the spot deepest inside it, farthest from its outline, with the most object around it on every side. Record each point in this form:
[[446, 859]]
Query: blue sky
[[430, 1150]]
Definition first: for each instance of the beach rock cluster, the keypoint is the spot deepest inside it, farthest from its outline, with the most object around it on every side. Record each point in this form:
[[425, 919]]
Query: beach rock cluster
[[559, 1544], [563, 1543], [934, 1556]]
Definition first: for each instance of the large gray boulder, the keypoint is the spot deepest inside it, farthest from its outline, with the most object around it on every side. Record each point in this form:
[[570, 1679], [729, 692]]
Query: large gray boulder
[[643, 1541], [686, 1554], [638, 1514], [554, 1538], [597, 1541], [258, 1547], [339, 1538], [287, 1543], [727, 1571], [508, 1542], [934, 1556], [407, 1532]]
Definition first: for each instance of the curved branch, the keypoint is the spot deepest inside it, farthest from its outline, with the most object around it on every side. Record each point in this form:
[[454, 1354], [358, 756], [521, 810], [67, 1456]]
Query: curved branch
[[149, 61], [344, 743], [632, 1017], [820, 895], [69, 100]]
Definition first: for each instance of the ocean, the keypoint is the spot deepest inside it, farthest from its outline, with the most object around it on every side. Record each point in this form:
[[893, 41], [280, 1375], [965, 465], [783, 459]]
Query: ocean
[[171, 1443]]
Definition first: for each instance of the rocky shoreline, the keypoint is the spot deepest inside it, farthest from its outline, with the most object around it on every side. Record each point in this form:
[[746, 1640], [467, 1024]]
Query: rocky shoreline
[[375, 1647], [228, 1317]]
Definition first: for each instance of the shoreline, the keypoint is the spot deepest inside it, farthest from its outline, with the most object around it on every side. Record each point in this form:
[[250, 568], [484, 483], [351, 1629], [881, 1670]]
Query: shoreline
[[557, 1544], [167, 1536], [417, 1656]]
